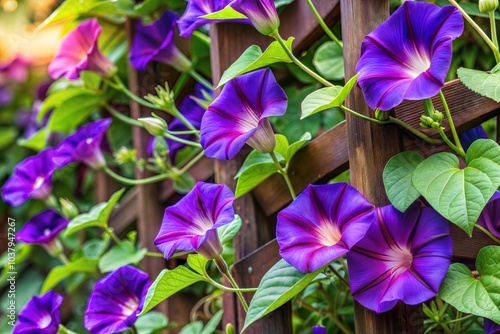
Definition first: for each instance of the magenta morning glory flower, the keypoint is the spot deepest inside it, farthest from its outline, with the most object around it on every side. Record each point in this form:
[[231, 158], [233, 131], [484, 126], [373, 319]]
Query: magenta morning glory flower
[[79, 52], [239, 115], [31, 178], [192, 223], [490, 327], [40, 315], [408, 56], [191, 19], [42, 228], [262, 14], [84, 145], [322, 224], [116, 301], [15, 70], [156, 42], [403, 256]]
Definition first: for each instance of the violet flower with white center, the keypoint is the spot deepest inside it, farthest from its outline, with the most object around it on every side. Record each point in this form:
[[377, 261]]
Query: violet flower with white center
[[116, 301], [155, 42], [43, 228], [239, 115], [322, 224], [408, 56], [192, 20], [40, 315], [191, 224], [32, 178], [84, 145], [403, 256], [79, 52], [262, 14]]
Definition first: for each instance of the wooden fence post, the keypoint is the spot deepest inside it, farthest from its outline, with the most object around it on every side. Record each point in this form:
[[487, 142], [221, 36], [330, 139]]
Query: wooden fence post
[[370, 147]]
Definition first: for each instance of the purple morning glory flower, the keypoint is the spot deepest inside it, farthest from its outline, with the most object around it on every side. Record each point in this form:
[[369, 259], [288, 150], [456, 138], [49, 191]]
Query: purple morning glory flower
[[491, 327], [155, 42], [469, 136], [322, 224], [191, 19], [16, 70], [319, 330], [262, 14], [84, 145], [40, 315], [79, 52], [116, 301], [31, 178], [239, 115], [192, 223], [490, 216], [42, 228], [408, 56], [403, 256], [6, 96]]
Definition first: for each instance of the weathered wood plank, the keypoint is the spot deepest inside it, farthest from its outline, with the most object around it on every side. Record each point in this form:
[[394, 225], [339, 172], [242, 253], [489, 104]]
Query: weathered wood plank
[[370, 147], [327, 154], [126, 213]]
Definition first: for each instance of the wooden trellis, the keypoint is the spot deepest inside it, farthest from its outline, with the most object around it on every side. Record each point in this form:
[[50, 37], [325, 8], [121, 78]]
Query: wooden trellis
[[356, 144]]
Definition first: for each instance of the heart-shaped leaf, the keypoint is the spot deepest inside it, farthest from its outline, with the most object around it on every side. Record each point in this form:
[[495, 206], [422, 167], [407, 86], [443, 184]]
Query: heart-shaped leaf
[[329, 61], [121, 255], [57, 274], [326, 98], [483, 83], [397, 179], [458, 194], [477, 296], [280, 284], [229, 231]]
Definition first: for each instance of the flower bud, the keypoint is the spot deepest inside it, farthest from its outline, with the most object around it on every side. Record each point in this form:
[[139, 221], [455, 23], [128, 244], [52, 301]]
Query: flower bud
[[154, 126], [381, 115], [68, 208], [262, 14], [124, 155], [426, 122], [438, 117], [230, 329], [164, 98], [486, 6]]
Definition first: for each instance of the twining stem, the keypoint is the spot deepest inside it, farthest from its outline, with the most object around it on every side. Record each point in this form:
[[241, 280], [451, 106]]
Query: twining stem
[[125, 119], [180, 83], [396, 121], [493, 27], [63, 258], [224, 270], [119, 85], [452, 126], [177, 114], [187, 132], [323, 25], [449, 143], [225, 288], [488, 233], [336, 273], [196, 76], [469, 316], [180, 140], [155, 254], [480, 31], [306, 69], [134, 182], [190, 164], [112, 235], [284, 173]]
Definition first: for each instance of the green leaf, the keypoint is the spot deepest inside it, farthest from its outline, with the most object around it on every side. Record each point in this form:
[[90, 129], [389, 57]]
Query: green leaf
[[329, 61], [149, 6], [184, 183], [327, 98], [57, 274], [7, 137], [97, 216], [476, 296], [458, 194], [72, 9], [253, 59], [192, 328], [280, 284], [71, 113], [398, 179], [197, 263], [37, 141], [295, 147], [94, 248], [253, 176], [485, 84], [121, 255], [211, 326], [226, 13], [167, 283], [229, 231], [151, 322]]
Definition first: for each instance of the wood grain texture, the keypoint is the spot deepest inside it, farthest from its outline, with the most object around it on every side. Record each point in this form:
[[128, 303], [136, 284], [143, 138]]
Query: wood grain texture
[[370, 147]]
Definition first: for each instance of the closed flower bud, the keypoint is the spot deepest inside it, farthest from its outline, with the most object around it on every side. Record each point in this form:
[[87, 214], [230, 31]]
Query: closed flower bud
[[486, 6], [68, 208], [426, 122], [154, 126], [230, 329], [438, 117], [262, 14], [381, 115]]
